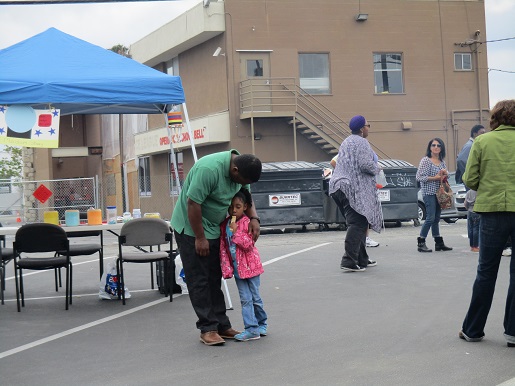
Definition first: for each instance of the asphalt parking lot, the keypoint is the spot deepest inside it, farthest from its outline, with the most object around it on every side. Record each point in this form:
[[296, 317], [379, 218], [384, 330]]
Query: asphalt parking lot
[[394, 324]]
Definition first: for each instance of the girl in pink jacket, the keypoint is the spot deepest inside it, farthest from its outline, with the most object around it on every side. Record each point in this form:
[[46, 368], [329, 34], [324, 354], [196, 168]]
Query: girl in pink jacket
[[240, 257]]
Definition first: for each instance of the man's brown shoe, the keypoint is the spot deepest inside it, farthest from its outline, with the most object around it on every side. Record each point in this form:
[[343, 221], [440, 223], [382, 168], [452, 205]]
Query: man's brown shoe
[[229, 334], [211, 338]]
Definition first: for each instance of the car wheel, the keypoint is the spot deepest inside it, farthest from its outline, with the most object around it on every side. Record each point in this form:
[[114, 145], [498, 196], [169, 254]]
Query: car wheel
[[450, 220], [421, 212]]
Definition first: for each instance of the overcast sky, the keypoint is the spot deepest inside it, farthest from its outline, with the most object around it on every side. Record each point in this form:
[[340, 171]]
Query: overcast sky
[[109, 24]]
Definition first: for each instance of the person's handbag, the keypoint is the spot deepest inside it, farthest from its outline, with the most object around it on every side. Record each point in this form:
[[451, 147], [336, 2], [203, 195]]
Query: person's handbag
[[444, 194]]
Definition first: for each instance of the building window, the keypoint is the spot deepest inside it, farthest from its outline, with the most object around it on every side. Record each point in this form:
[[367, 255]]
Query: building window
[[144, 176], [388, 73], [254, 68], [314, 73], [174, 188], [462, 62]]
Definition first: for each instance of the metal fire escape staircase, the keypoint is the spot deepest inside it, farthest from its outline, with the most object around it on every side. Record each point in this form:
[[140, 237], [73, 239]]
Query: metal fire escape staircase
[[282, 97]]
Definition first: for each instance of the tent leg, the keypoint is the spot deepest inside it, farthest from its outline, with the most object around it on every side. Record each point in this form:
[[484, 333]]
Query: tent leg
[[187, 118], [228, 295]]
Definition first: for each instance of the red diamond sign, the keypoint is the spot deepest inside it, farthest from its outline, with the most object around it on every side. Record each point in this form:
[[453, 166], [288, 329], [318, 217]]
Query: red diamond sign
[[42, 193]]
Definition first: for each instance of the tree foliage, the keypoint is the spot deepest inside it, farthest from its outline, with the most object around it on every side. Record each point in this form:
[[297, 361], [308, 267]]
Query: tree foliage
[[12, 165], [120, 49]]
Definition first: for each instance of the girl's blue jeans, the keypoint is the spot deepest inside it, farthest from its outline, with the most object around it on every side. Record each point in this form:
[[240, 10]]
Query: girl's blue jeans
[[433, 212], [252, 310]]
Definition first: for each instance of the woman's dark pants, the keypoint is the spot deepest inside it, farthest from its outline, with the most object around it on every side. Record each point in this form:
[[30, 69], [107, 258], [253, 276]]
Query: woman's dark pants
[[357, 225]]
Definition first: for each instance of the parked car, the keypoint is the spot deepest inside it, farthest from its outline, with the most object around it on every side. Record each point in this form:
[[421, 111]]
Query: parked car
[[450, 215]]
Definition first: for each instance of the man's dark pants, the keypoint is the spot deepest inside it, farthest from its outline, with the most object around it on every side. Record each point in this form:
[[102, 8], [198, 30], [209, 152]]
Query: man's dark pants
[[357, 225], [203, 277]]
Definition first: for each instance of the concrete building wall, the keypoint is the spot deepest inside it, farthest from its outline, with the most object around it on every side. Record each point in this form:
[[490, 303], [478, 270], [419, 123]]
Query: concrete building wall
[[437, 100]]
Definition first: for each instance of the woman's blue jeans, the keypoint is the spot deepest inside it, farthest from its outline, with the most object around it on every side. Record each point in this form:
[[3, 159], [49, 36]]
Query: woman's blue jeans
[[252, 310], [473, 228], [495, 228], [433, 212]]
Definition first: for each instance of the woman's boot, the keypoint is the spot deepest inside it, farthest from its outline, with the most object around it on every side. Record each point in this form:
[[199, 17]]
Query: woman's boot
[[422, 247], [440, 246]]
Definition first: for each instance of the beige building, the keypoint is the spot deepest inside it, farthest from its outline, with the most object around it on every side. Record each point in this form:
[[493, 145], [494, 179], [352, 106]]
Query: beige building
[[281, 79]]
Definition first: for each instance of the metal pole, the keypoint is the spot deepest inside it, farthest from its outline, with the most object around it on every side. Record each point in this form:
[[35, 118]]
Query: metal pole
[[252, 134], [172, 154], [122, 161], [187, 118]]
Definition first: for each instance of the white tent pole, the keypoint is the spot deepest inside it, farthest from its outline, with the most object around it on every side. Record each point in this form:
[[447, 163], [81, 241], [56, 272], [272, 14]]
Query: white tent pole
[[187, 118], [172, 153]]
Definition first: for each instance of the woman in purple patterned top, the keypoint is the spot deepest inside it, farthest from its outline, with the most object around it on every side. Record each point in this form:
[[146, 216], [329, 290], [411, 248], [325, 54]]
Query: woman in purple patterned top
[[431, 171], [353, 188]]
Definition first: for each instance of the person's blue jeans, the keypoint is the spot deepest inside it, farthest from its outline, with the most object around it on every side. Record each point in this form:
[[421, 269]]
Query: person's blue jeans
[[473, 228], [433, 212], [254, 315], [495, 228]]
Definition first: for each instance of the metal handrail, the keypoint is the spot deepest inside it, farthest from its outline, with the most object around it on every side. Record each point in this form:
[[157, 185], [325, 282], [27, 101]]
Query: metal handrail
[[283, 94], [286, 96]]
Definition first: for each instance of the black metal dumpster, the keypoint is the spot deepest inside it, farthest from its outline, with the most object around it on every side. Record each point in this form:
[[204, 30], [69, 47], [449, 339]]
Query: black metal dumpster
[[289, 193], [399, 197]]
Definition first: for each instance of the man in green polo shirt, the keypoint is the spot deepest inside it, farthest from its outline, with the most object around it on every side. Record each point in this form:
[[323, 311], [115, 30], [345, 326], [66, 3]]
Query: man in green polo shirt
[[202, 205]]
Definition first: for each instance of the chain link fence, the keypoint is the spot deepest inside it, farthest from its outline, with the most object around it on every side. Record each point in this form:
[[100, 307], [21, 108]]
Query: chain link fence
[[151, 194], [11, 197], [59, 195]]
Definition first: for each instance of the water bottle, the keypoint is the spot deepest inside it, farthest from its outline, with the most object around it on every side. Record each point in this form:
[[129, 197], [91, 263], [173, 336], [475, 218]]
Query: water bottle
[[111, 214]]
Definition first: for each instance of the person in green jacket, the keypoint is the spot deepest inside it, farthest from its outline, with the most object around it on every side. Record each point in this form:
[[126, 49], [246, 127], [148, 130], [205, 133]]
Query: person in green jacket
[[491, 172]]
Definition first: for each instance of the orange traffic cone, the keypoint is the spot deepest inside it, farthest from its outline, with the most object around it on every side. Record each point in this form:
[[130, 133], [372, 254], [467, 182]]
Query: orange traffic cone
[[18, 218]]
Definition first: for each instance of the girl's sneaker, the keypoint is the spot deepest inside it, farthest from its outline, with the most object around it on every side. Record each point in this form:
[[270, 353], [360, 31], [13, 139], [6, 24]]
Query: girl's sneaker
[[262, 330], [246, 335]]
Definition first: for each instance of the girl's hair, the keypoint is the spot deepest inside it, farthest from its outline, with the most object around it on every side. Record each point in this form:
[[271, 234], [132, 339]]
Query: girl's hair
[[441, 156], [245, 196]]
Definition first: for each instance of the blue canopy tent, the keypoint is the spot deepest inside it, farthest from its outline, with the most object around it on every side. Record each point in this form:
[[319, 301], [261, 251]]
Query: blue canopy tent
[[59, 70], [78, 77]]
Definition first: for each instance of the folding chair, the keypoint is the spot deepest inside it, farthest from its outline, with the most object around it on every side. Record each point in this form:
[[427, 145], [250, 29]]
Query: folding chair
[[36, 238], [141, 233], [6, 255], [87, 248]]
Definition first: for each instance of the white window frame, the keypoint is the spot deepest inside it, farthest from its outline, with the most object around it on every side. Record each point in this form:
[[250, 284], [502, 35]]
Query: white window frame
[[144, 181], [389, 71], [459, 58]]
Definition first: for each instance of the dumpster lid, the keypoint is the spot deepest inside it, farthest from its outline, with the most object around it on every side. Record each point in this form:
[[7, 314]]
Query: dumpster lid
[[289, 166], [394, 164]]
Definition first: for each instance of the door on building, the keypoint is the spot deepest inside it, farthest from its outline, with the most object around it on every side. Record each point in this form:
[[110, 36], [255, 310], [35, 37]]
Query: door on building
[[256, 86]]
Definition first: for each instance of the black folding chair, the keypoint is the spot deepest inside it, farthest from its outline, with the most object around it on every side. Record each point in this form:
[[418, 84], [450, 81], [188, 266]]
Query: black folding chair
[[141, 233], [6, 255], [41, 238]]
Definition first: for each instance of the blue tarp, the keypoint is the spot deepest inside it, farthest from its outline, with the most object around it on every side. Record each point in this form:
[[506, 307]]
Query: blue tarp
[[59, 70]]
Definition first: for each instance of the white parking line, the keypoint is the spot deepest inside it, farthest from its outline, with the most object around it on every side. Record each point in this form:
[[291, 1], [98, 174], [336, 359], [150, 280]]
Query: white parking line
[[80, 328], [124, 313]]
